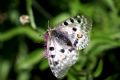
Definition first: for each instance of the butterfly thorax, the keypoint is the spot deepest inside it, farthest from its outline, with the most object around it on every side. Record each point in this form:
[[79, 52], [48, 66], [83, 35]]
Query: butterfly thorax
[[61, 37]]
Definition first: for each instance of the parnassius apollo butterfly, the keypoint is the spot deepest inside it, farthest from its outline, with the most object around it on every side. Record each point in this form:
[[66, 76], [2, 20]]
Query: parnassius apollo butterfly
[[64, 41]]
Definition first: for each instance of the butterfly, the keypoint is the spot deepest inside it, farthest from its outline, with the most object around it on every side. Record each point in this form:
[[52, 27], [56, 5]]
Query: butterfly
[[64, 42]]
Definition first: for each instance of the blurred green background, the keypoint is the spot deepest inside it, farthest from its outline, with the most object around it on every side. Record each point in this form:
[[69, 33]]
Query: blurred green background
[[22, 46]]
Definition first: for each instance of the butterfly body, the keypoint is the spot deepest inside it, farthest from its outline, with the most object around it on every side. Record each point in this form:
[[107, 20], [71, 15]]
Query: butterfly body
[[63, 43]]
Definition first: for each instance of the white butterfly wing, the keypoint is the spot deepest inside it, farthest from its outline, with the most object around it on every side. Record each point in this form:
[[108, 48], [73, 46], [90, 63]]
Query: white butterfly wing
[[62, 46], [60, 58], [77, 29]]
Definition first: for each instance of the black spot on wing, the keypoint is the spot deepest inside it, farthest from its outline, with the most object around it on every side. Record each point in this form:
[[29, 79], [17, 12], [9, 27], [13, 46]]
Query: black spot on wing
[[55, 63], [65, 23], [71, 49], [62, 50], [71, 20], [74, 29], [52, 56], [76, 42], [51, 48], [50, 62], [52, 68], [78, 18], [69, 43]]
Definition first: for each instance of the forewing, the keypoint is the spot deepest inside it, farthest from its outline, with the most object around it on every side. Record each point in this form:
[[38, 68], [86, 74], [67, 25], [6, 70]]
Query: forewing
[[77, 28]]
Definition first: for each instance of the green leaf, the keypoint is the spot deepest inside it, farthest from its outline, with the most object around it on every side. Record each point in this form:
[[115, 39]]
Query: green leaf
[[4, 69], [22, 30], [113, 77], [23, 75], [44, 65], [30, 60], [98, 71], [59, 18], [71, 77]]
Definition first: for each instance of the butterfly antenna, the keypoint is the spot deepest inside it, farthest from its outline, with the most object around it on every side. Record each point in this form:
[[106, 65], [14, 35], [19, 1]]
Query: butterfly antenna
[[48, 25]]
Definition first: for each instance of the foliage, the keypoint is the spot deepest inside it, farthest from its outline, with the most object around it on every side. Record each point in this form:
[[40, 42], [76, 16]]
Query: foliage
[[21, 46]]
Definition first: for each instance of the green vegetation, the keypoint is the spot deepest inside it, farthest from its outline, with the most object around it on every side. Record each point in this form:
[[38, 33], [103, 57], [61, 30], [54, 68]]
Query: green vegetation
[[21, 46]]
